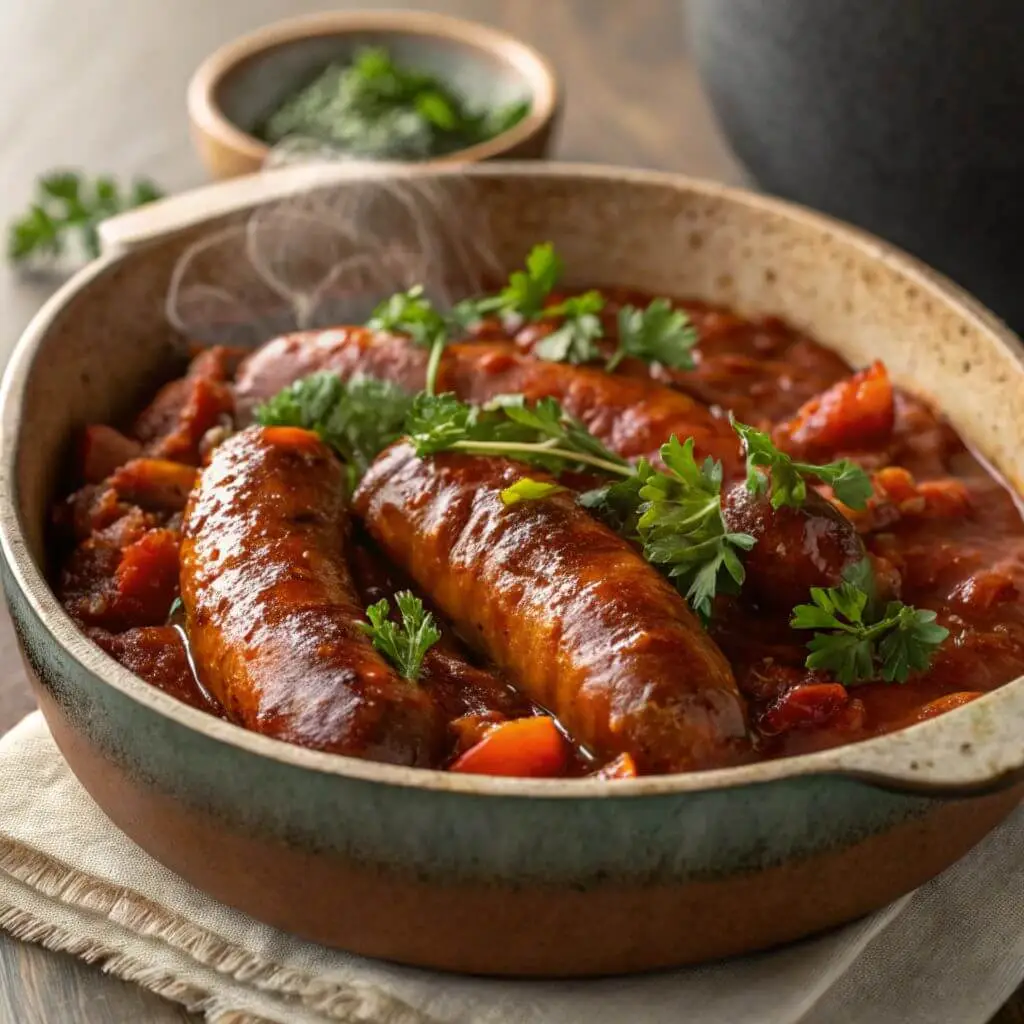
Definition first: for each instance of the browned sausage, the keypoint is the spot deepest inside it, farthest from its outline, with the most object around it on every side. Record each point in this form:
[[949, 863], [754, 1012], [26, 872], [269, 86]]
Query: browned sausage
[[633, 417], [459, 687], [569, 610], [796, 549], [271, 612]]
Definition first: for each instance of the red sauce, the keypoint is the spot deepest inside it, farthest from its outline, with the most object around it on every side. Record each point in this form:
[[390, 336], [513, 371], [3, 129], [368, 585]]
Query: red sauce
[[941, 527]]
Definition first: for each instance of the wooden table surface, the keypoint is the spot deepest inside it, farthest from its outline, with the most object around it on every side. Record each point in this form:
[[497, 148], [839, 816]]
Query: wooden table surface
[[99, 84]]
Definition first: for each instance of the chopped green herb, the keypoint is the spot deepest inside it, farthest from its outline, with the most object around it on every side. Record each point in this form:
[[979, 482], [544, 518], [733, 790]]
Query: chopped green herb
[[573, 341], [404, 644], [787, 478], [68, 206], [657, 334], [682, 529], [376, 108], [358, 418], [528, 489], [862, 642]]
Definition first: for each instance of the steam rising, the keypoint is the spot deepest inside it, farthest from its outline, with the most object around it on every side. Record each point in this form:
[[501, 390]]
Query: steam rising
[[328, 255]]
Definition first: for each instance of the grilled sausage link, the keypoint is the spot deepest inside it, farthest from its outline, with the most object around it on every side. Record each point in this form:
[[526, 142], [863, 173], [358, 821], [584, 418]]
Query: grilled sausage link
[[633, 417], [271, 611], [565, 607]]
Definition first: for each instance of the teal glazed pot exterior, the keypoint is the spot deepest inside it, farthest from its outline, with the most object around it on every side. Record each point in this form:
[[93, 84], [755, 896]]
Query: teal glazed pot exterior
[[900, 117], [509, 876]]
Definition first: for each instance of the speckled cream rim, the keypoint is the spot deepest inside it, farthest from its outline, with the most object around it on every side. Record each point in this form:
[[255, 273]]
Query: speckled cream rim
[[901, 760], [536, 72]]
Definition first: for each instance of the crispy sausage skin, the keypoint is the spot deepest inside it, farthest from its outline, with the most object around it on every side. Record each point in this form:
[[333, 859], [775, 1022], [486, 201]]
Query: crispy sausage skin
[[271, 612], [796, 549], [565, 607], [633, 417]]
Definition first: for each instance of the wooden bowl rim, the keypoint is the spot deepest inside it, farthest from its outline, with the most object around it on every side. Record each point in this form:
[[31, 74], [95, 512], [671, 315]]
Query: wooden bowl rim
[[537, 72]]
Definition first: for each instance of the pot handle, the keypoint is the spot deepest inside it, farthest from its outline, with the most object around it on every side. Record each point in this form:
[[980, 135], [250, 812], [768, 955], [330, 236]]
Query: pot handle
[[128, 231], [975, 748]]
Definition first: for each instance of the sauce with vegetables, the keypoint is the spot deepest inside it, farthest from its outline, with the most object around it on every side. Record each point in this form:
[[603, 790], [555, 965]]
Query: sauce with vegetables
[[547, 533]]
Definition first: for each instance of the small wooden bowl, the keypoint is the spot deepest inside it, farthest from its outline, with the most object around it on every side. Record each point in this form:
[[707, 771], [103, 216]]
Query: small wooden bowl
[[237, 86]]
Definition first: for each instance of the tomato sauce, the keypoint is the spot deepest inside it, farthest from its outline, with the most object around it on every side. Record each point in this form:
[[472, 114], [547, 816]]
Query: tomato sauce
[[940, 526]]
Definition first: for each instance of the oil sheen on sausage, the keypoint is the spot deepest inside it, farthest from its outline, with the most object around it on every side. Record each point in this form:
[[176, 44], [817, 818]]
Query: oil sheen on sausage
[[271, 611], [570, 611]]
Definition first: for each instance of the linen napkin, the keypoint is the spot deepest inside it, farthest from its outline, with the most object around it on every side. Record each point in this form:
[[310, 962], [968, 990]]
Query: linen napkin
[[950, 953]]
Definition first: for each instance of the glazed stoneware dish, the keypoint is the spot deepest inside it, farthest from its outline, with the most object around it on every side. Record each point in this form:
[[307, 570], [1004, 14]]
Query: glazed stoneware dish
[[557, 876], [240, 84]]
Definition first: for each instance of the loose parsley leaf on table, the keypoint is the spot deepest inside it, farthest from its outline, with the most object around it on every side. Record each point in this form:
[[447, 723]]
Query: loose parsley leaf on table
[[786, 479], [859, 641], [404, 644], [69, 206]]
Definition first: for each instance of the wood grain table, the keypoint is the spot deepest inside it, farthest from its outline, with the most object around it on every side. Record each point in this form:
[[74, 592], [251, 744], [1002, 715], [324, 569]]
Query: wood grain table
[[99, 84]]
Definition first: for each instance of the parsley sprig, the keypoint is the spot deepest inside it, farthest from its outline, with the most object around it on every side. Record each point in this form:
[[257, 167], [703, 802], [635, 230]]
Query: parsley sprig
[[68, 206], [658, 334], [859, 640], [573, 341], [676, 516], [542, 434], [787, 479], [358, 418], [405, 643]]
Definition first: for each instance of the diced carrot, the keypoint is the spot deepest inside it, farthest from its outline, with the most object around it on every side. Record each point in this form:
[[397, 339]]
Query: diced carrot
[[806, 706], [147, 578], [857, 414], [623, 767], [525, 747], [156, 484]]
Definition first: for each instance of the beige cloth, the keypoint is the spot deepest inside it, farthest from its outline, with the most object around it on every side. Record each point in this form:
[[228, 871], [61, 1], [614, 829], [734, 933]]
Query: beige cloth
[[951, 953]]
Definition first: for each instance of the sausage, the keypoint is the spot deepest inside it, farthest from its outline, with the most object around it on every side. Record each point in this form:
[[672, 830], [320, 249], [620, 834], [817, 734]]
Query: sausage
[[796, 549], [459, 687], [565, 607], [271, 612], [633, 417]]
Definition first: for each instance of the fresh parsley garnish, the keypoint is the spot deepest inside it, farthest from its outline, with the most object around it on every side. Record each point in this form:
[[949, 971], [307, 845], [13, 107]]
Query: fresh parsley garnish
[[404, 644], [175, 609], [573, 341], [358, 418], [787, 479], [658, 334], [676, 515], [67, 205], [528, 489], [527, 290], [411, 313], [376, 108], [542, 433], [862, 641]]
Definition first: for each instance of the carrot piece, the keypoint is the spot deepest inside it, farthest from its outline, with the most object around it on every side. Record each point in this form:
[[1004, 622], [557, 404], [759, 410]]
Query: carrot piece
[[524, 747], [622, 767], [155, 484], [857, 414]]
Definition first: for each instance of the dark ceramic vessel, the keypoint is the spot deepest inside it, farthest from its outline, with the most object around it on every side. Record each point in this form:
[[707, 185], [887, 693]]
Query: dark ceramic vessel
[[904, 118], [479, 874]]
